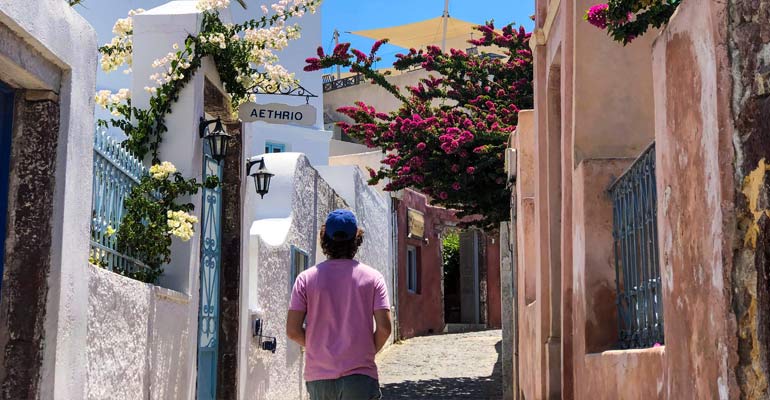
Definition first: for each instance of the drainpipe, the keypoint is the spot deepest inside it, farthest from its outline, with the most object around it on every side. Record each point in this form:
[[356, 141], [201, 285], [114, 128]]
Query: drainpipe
[[513, 251], [394, 262]]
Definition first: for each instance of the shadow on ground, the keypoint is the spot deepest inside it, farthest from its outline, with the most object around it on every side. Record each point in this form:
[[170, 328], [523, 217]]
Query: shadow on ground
[[480, 388]]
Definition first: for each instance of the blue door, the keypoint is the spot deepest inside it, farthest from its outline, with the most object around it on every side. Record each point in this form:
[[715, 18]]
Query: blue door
[[208, 313], [6, 129]]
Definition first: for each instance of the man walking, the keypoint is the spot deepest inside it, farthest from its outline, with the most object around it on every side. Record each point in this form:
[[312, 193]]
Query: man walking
[[337, 299]]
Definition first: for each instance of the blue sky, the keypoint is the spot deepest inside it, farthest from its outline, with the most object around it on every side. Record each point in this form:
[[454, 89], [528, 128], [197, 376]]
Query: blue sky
[[345, 15], [353, 15]]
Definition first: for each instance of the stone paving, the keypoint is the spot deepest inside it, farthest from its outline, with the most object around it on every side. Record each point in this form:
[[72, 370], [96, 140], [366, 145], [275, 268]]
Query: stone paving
[[443, 367]]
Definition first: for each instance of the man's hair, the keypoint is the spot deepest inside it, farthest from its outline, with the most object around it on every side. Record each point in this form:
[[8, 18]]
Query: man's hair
[[340, 249]]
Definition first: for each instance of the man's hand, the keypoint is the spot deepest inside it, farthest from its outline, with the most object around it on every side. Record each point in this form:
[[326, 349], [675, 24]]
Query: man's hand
[[382, 332], [294, 329]]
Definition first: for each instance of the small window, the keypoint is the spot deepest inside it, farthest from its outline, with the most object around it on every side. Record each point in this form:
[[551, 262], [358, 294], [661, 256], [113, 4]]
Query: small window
[[412, 270], [271, 147], [299, 262]]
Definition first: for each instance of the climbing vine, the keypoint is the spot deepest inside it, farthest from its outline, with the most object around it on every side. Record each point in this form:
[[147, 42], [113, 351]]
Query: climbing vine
[[625, 20], [245, 56]]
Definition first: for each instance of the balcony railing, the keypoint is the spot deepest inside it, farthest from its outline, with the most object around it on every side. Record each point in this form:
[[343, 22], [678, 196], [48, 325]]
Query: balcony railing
[[116, 172], [334, 84], [637, 270]]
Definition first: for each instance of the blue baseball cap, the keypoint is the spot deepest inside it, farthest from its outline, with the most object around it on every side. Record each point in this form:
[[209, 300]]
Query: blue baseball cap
[[341, 225]]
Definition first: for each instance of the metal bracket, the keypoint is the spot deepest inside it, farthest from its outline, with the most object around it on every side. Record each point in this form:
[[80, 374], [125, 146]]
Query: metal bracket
[[251, 162], [264, 86], [204, 123], [270, 344]]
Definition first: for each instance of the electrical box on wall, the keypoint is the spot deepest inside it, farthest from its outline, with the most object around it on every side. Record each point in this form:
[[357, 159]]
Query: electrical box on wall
[[510, 162]]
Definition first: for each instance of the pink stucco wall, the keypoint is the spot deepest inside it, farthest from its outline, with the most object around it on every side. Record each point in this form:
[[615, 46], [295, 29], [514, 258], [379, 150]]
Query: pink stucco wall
[[695, 201], [421, 313], [680, 96]]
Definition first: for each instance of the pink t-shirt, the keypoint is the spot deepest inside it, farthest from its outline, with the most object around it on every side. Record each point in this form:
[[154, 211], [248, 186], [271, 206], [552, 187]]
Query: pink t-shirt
[[339, 298]]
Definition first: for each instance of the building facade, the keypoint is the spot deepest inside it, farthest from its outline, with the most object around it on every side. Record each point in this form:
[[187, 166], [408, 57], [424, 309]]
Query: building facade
[[431, 298], [636, 213], [47, 81]]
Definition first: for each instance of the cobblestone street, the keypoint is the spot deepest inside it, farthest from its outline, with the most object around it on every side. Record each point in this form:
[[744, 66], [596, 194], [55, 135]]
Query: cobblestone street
[[443, 367]]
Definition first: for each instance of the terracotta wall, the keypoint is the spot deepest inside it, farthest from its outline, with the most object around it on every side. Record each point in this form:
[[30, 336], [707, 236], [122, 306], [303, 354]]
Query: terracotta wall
[[421, 313], [695, 202], [603, 373], [492, 261], [708, 114]]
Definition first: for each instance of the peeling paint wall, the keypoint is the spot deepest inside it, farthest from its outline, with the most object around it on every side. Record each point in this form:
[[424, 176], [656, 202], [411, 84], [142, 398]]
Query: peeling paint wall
[[694, 159]]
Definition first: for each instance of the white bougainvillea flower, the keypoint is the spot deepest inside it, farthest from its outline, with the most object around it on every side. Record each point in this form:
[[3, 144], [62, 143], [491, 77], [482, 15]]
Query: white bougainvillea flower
[[212, 5], [180, 224], [162, 171]]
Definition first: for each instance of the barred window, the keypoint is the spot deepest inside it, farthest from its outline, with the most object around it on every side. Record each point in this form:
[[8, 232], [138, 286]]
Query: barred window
[[637, 270]]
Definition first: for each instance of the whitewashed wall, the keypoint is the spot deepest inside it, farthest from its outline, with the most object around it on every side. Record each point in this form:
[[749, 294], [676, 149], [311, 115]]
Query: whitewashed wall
[[291, 215], [372, 209], [51, 48], [136, 340], [171, 357], [313, 141]]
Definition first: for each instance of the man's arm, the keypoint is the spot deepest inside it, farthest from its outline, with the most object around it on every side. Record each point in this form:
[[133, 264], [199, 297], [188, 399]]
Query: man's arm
[[382, 332], [294, 329]]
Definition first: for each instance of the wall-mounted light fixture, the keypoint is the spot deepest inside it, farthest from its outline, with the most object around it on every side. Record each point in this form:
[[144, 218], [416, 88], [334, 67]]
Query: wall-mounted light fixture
[[261, 177], [218, 139], [270, 344]]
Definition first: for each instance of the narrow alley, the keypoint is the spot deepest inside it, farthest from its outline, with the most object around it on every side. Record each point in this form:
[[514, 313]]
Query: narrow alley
[[443, 367]]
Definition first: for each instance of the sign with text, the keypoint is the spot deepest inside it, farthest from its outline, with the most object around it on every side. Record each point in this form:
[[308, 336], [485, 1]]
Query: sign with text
[[281, 114], [416, 222]]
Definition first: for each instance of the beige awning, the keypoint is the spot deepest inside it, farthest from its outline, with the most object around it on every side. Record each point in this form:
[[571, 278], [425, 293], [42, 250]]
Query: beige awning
[[419, 35]]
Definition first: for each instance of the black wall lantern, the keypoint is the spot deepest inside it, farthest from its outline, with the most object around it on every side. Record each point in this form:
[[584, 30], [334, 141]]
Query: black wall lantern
[[218, 140], [261, 177]]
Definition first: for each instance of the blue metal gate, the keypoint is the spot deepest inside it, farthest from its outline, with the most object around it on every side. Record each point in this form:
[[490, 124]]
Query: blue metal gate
[[6, 130], [208, 314]]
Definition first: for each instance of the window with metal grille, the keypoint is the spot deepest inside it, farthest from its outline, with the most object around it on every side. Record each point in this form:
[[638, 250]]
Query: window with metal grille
[[637, 270]]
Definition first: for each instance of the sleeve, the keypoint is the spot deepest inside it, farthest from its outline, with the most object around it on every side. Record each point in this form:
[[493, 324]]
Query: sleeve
[[298, 300], [381, 299]]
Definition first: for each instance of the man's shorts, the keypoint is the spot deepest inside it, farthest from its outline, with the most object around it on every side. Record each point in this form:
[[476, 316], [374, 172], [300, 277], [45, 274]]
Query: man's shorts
[[351, 387]]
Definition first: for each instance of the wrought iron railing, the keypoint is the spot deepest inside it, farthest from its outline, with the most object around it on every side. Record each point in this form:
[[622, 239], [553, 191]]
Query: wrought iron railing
[[343, 83], [116, 172], [637, 270]]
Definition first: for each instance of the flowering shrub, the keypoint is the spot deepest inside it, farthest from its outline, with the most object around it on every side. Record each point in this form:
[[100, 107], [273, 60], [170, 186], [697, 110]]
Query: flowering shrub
[[626, 20], [245, 55], [154, 216], [449, 135]]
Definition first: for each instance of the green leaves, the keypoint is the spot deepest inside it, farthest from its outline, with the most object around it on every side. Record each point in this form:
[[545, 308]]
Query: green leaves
[[625, 20], [144, 233]]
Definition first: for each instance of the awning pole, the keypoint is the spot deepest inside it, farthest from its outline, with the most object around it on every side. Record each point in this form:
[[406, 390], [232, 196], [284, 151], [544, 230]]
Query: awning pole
[[446, 22], [337, 43]]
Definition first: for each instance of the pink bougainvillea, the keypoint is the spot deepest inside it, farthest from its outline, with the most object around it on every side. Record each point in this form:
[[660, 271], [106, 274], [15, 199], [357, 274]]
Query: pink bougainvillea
[[597, 15], [625, 20], [453, 154]]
